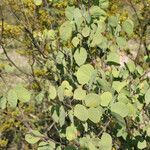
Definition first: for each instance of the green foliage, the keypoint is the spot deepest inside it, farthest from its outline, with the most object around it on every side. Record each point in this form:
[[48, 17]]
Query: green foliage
[[84, 88]]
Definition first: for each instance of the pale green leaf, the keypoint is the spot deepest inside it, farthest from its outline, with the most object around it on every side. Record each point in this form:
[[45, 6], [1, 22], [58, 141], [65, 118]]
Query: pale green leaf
[[12, 98], [79, 94], [69, 13], [62, 116], [106, 98], [103, 4], [121, 41], [120, 109], [94, 114], [113, 21], [3, 102], [75, 41], [65, 31], [105, 142], [78, 17], [96, 12], [131, 65], [142, 145], [33, 137], [71, 133], [113, 57], [81, 112], [80, 56], [86, 31], [128, 26], [84, 73], [23, 94], [38, 2], [92, 100], [147, 97], [118, 86], [52, 92]]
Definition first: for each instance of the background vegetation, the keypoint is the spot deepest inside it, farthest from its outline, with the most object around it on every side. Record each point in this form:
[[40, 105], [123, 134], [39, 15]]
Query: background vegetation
[[74, 74]]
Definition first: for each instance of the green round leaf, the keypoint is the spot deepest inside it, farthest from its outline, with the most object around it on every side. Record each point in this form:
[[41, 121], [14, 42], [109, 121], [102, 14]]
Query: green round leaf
[[22, 93], [33, 137], [106, 142], [81, 112], [71, 133], [75, 41], [79, 94], [128, 26], [86, 31], [113, 57], [65, 31], [106, 98], [113, 21], [84, 73], [142, 145], [121, 41], [92, 100], [96, 12], [118, 86], [52, 92], [94, 114], [120, 109], [80, 56]]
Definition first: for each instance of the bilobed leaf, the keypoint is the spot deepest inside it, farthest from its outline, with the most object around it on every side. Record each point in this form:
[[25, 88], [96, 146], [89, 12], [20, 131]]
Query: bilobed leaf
[[52, 92], [120, 109], [118, 86], [79, 94], [106, 98], [22, 93], [92, 100], [84, 73], [80, 56], [33, 137], [94, 114], [147, 97], [12, 98], [128, 26], [86, 31], [71, 133], [113, 57], [38, 2], [65, 31], [81, 112], [105, 142], [67, 88], [142, 145]]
